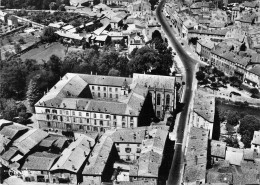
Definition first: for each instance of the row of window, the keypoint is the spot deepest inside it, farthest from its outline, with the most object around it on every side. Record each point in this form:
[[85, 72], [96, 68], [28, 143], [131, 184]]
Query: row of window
[[104, 89], [79, 127], [104, 95], [128, 150], [101, 116], [158, 99]]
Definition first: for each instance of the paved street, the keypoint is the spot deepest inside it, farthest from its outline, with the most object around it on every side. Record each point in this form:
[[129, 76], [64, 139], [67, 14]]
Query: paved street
[[189, 66]]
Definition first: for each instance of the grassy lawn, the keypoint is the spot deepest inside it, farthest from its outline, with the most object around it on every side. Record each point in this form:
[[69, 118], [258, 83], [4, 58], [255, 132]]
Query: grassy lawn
[[44, 52]]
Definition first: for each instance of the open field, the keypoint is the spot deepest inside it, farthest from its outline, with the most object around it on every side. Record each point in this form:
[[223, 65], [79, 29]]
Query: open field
[[43, 52]]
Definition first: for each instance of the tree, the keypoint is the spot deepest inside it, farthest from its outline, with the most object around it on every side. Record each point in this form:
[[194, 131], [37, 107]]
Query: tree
[[153, 3], [233, 118], [200, 75], [48, 35], [113, 72], [33, 93], [232, 142], [157, 34], [254, 91], [243, 47], [248, 125], [95, 2], [52, 6], [21, 40], [17, 48]]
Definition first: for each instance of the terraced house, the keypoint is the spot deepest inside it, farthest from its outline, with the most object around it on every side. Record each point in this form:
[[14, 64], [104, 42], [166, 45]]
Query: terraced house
[[81, 102]]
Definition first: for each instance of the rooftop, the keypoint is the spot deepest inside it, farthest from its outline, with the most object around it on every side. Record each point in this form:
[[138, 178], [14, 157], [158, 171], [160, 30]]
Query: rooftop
[[74, 156], [40, 161], [204, 105], [218, 149], [206, 43], [234, 156]]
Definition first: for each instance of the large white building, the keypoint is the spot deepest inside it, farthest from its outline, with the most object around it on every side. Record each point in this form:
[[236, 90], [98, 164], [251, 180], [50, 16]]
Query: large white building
[[81, 102]]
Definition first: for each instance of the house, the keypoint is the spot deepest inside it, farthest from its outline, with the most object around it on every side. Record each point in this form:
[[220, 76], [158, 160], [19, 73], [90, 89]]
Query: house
[[12, 21], [54, 144], [235, 13], [37, 167], [249, 6], [187, 25], [234, 156], [162, 89], [135, 41], [203, 48], [203, 111], [255, 143], [13, 131], [217, 151], [196, 156], [68, 168], [128, 155], [99, 165], [4, 16], [139, 8], [95, 103], [213, 35], [29, 140]]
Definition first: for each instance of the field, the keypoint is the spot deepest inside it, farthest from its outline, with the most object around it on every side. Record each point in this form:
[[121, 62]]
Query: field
[[43, 52]]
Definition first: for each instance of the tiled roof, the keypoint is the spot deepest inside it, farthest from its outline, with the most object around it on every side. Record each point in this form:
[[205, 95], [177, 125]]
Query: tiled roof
[[256, 138], [204, 105], [194, 173], [252, 4], [196, 154], [149, 164], [209, 32], [98, 157], [248, 154], [7, 155], [152, 81], [206, 43], [40, 161], [139, 182], [4, 142], [216, 177], [135, 135], [12, 130], [218, 148], [234, 156], [74, 156], [29, 140]]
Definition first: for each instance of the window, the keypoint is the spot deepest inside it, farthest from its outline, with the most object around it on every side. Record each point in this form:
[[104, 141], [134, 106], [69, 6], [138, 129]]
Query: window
[[104, 88], [48, 124], [118, 149], [105, 95], [116, 95], [99, 95], [80, 114], [95, 116], [127, 150], [116, 89], [73, 113], [95, 122], [131, 119], [110, 95], [115, 124], [138, 150], [168, 99], [93, 87], [54, 111], [87, 120], [81, 127], [74, 120], [48, 117], [80, 120], [87, 114], [47, 110], [55, 117], [61, 118], [114, 116], [131, 125], [123, 124], [98, 88], [101, 116], [93, 94], [101, 123], [67, 112], [158, 99], [88, 128], [68, 118], [110, 89], [108, 124], [60, 111], [107, 116], [127, 158]]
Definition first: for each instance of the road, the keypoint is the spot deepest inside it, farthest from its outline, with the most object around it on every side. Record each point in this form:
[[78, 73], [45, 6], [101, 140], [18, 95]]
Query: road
[[175, 174]]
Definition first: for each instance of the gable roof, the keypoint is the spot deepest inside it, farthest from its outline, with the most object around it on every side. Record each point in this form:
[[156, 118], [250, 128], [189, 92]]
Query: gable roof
[[29, 140], [74, 156], [218, 148], [41, 161], [11, 131]]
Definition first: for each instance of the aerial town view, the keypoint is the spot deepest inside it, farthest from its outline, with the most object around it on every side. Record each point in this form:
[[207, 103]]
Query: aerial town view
[[129, 92]]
